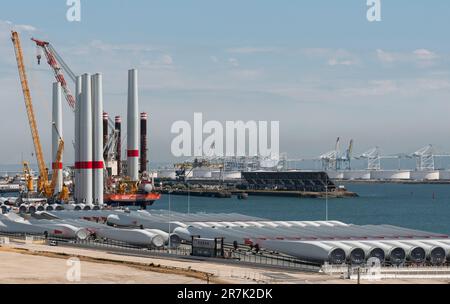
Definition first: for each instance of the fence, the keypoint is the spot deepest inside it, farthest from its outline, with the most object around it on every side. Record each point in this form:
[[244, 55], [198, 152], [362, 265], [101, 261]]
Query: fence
[[271, 260], [239, 256], [376, 273]]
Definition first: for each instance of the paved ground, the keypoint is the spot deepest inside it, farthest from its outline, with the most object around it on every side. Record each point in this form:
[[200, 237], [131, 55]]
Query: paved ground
[[48, 265]]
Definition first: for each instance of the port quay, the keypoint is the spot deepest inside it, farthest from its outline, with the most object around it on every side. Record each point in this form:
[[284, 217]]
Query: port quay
[[224, 151]]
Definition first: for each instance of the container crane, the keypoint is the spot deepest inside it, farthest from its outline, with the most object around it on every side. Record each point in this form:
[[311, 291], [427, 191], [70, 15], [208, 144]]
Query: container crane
[[45, 186], [59, 66], [345, 161], [425, 158], [330, 159], [373, 157]]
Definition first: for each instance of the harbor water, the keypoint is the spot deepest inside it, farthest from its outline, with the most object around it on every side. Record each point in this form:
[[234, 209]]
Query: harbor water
[[417, 206]]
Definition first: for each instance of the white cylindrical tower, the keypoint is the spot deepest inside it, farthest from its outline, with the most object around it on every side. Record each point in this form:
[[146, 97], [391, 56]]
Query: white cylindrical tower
[[57, 166], [78, 185], [133, 126], [98, 165], [86, 133]]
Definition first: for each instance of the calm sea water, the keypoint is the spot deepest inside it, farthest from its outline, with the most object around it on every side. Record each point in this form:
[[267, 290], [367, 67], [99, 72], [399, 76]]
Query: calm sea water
[[424, 207]]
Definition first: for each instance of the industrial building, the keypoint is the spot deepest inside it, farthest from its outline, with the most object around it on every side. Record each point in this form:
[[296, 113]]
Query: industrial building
[[288, 181]]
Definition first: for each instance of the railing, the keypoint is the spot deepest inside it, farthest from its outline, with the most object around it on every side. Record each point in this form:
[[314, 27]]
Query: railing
[[184, 250], [271, 260], [381, 273]]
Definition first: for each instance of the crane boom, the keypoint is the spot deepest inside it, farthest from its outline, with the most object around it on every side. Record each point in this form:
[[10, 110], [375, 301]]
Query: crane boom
[[58, 65], [55, 61], [29, 106]]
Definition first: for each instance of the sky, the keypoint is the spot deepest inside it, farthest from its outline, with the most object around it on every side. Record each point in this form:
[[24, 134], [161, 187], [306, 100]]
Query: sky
[[318, 67]]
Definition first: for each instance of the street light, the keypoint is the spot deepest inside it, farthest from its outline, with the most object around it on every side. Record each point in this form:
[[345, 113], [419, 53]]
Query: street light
[[326, 198], [189, 198], [170, 221]]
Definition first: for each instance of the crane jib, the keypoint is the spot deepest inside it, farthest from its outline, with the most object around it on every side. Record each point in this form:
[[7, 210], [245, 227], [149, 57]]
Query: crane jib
[[29, 106]]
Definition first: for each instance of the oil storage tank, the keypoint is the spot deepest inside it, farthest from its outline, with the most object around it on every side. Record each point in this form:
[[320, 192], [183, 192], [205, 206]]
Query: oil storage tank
[[425, 175], [202, 173], [390, 175], [167, 174], [357, 175]]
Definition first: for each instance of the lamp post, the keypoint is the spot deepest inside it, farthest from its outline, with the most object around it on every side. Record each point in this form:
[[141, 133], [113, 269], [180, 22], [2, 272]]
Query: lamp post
[[170, 221], [189, 198], [326, 199]]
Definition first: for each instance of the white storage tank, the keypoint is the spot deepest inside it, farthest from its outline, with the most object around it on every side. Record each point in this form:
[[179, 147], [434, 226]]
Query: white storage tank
[[216, 174], [390, 175], [425, 175], [444, 175], [232, 175], [357, 175], [335, 174], [167, 173], [202, 173]]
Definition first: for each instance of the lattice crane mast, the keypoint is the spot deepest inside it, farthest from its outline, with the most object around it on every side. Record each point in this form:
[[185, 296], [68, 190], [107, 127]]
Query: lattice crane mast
[[29, 106], [59, 66]]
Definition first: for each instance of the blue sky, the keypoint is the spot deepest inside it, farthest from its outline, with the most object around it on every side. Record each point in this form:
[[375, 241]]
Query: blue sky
[[318, 67]]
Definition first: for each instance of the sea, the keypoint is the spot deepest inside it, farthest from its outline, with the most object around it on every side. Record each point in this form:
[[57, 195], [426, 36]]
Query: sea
[[416, 206]]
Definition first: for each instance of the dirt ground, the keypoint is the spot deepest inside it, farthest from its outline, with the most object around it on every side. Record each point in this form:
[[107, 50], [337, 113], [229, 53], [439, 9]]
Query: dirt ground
[[20, 268], [34, 263]]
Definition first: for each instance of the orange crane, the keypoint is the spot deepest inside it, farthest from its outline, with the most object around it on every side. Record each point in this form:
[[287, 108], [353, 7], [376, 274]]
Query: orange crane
[[46, 187]]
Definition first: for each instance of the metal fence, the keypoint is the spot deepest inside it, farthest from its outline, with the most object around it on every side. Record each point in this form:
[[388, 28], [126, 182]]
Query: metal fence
[[274, 261], [385, 272], [239, 256]]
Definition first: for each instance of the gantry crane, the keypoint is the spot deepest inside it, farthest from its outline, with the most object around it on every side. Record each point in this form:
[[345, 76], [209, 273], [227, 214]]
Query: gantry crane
[[59, 66], [330, 159], [45, 186]]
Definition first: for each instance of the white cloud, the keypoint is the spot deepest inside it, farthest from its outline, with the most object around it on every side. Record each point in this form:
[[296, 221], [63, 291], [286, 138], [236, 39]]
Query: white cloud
[[372, 88], [104, 46], [335, 62], [253, 50], [25, 28], [233, 61], [385, 57], [424, 54], [6, 26], [166, 59], [420, 57], [247, 74], [334, 57]]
